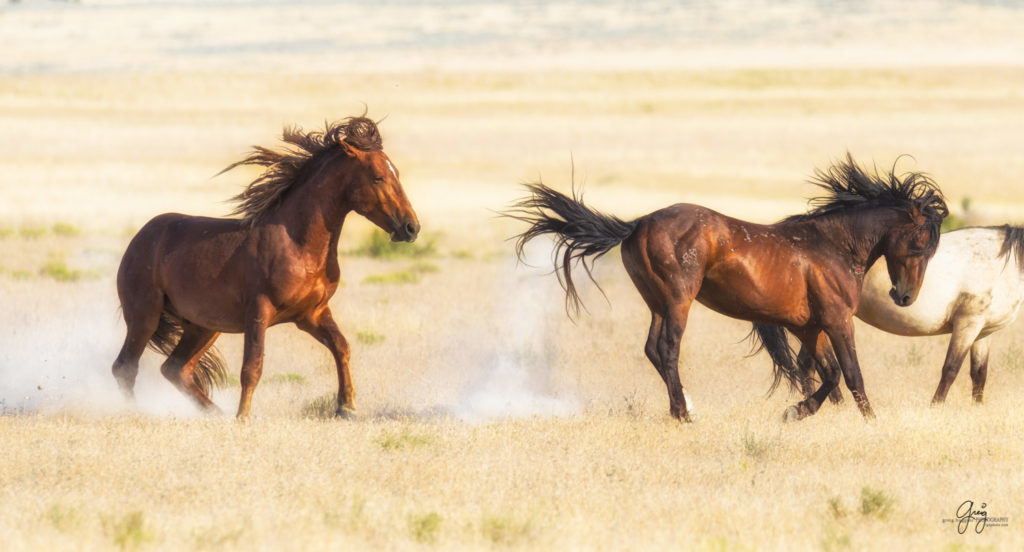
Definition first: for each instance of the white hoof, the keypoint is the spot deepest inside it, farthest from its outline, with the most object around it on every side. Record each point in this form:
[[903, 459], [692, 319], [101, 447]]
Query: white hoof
[[688, 404], [792, 414]]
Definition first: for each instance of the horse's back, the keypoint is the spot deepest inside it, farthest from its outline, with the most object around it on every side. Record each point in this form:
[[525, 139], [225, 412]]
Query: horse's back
[[740, 269]]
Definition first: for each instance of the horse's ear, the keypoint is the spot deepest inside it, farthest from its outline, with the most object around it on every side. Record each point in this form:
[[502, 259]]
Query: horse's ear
[[347, 148]]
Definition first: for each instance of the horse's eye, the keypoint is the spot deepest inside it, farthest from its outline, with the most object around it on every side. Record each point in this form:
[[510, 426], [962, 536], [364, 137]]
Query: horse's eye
[[379, 179]]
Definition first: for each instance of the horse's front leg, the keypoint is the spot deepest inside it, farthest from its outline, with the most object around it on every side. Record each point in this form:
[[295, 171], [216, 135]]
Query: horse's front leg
[[257, 315], [325, 330], [841, 336]]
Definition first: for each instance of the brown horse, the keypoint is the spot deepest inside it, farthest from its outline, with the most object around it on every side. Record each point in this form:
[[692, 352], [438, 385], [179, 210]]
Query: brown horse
[[803, 273], [184, 280]]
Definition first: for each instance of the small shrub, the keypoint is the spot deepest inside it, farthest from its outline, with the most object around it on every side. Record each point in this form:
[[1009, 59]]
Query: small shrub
[[58, 270], [505, 530], [321, 408], [424, 268], [63, 518], [32, 232], [378, 245], [874, 503], [835, 540], [216, 538], [129, 532], [402, 277], [425, 528], [369, 337], [398, 441], [836, 508], [287, 378], [756, 447], [66, 230]]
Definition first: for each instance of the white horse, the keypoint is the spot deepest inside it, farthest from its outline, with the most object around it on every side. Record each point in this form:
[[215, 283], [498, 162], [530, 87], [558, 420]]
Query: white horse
[[974, 287]]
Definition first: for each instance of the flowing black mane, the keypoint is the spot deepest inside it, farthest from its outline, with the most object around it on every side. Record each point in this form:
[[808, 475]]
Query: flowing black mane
[[847, 185], [1013, 240], [285, 168]]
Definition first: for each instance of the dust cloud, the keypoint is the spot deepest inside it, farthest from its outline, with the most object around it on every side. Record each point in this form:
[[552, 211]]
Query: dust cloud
[[57, 354], [511, 377]]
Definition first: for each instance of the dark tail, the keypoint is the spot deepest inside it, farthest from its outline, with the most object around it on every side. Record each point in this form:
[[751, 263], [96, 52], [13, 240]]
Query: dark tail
[[581, 234], [1013, 241], [775, 340], [208, 373], [796, 369]]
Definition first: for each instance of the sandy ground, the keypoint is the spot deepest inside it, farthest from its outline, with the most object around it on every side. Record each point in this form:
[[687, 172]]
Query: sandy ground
[[489, 419]]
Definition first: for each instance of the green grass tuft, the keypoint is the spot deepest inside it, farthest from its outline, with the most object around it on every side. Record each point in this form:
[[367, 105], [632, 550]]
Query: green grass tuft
[[32, 232], [58, 270], [63, 518], [507, 531], [369, 337], [129, 532], [287, 378], [378, 245], [875, 503], [405, 439], [425, 528], [66, 230], [321, 408]]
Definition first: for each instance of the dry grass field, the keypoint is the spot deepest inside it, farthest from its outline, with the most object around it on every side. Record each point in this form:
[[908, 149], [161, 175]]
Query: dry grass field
[[488, 419]]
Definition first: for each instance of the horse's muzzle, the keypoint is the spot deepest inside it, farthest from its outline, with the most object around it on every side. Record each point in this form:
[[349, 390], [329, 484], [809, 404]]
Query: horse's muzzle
[[900, 300], [406, 231]]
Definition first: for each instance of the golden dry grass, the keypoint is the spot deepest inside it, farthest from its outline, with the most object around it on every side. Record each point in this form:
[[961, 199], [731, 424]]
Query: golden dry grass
[[586, 456]]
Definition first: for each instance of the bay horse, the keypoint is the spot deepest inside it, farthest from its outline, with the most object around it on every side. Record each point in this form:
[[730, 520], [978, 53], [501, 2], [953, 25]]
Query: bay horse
[[184, 280], [803, 273], [978, 292]]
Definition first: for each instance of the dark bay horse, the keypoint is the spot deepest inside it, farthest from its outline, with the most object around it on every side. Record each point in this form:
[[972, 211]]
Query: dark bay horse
[[183, 280], [978, 292], [803, 273]]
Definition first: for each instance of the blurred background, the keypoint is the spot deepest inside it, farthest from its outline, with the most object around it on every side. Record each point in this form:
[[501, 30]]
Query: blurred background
[[112, 112]]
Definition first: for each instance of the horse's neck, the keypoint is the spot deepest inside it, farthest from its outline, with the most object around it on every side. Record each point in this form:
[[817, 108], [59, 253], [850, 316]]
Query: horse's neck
[[856, 235], [313, 213]]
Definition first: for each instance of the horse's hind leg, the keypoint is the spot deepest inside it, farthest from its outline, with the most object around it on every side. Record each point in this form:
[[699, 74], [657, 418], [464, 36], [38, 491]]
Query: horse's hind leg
[[814, 341], [805, 363], [142, 317], [669, 340], [979, 367], [180, 365], [963, 336]]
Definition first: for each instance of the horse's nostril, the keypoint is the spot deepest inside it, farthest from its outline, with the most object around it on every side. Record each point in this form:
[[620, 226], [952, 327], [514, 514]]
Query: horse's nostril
[[412, 228]]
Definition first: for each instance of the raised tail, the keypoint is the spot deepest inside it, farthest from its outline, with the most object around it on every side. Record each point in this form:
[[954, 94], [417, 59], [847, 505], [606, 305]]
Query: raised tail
[[209, 372], [581, 234]]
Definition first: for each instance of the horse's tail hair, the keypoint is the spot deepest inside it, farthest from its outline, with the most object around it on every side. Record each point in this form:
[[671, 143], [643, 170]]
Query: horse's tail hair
[[581, 234], [209, 372], [1013, 241], [774, 339]]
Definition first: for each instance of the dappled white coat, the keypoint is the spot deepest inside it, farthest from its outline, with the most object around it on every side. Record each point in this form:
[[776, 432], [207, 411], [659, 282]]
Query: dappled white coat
[[969, 290]]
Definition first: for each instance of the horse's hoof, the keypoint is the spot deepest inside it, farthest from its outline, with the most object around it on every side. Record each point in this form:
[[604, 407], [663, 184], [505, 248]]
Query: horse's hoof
[[792, 414], [346, 413]]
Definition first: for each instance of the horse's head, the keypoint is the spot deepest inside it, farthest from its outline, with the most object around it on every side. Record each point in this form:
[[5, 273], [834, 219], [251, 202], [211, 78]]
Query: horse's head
[[908, 246], [376, 193]]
